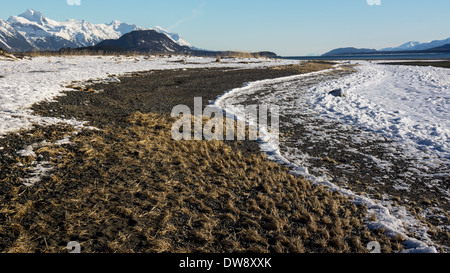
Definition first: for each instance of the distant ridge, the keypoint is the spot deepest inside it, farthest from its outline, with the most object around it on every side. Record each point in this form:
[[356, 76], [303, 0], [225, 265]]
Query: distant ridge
[[414, 46], [409, 47], [359, 51], [441, 48], [153, 42], [349, 50]]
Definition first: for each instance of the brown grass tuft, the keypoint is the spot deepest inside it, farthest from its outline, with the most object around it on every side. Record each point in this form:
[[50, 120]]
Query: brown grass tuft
[[135, 189]]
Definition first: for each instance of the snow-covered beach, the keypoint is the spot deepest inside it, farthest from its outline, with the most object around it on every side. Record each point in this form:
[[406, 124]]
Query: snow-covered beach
[[403, 110]]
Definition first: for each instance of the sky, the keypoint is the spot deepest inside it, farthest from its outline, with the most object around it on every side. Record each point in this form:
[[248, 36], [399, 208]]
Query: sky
[[286, 27]]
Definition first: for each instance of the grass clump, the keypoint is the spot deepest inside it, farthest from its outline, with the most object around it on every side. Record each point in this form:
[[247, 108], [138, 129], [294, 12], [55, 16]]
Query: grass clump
[[135, 189]]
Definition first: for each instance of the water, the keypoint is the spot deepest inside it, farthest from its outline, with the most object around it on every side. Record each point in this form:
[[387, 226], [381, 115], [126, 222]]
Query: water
[[402, 56]]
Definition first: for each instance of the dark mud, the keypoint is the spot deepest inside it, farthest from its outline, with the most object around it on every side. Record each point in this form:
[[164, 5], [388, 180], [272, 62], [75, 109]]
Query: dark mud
[[443, 64]]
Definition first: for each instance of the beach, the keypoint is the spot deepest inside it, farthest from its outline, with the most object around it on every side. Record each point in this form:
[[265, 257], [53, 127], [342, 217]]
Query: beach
[[126, 186], [100, 167]]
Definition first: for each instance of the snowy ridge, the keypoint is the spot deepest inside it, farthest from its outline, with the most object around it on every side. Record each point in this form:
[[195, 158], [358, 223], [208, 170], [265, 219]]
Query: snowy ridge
[[5, 32], [37, 32], [10, 38], [173, 36]]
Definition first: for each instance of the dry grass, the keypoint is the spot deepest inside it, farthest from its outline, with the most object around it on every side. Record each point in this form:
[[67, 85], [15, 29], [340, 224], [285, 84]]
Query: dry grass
[[241, 55], [307, 67], [137, 190], [6, 55], [315, 66]]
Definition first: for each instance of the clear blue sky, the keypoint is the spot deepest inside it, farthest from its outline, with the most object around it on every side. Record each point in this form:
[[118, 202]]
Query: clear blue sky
[[287, 27]]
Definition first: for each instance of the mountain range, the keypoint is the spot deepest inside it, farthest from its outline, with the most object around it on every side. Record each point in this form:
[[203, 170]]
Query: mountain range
[[409, 47], [413, 45], [32, 31], [146, 41]]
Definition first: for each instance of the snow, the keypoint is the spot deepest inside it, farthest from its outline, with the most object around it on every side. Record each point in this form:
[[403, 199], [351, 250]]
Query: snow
[[403, 103], [39, 169], [6, 32], [32, 15], [408, 105], [26, 82]]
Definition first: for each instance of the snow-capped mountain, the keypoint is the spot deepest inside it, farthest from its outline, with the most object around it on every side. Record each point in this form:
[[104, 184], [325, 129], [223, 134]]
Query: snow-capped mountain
[[11, 39], [174, 36], [413, 45], [31, 30], [405, 46]]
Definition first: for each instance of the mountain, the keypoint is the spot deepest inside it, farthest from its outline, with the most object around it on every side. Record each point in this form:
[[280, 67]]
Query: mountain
[[10, 39], [46, 34], [418, 45], [349, 50], [142, 41], [405, 46], [356, 51], [153, 42], [31, 30], [174, 36], [440, 48], [409, 47]]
